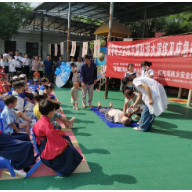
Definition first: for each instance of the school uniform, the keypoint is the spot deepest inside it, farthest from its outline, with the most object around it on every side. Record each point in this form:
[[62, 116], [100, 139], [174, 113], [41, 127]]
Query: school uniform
[[159, 97], [128, 74], [55, 151], [144, 73], [8, 117], [20, 107], [18, 151]]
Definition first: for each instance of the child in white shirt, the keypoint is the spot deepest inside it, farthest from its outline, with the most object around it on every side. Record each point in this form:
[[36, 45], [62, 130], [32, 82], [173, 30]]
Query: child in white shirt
[[12, 65]]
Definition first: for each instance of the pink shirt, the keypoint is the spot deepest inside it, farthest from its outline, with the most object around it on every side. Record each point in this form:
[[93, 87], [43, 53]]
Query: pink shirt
[[35, 65]]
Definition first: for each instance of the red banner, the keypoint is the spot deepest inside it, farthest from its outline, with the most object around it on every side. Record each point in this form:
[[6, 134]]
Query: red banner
[[171, 59]]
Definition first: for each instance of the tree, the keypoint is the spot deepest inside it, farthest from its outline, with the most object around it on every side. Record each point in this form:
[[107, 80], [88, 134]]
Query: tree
[[170, 25], [13, 16]]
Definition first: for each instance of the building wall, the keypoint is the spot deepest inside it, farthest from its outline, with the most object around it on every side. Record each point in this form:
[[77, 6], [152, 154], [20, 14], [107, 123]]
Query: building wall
[[48, 38]]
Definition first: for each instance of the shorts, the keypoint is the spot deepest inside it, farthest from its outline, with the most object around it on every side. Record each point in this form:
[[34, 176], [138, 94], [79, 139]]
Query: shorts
[[35, 79], [57, 115], [74, 100]]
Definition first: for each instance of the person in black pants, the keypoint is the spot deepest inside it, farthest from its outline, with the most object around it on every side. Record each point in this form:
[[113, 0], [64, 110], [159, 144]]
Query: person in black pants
[[25, 67]]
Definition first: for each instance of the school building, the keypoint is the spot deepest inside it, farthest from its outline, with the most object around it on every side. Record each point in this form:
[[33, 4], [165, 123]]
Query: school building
[[29, 41]]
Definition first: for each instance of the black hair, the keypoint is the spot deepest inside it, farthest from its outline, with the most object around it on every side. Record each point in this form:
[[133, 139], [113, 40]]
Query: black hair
[[45, 107], [11, 55], [50, 86], [38, 97], [17, 51], [9, 99], [128, 92], [126, 79], [2, 78], [20, 53], [48, 55], [146, 63], [22, 78], [17, 85], [131, 64], [19, 73], [29, 95], [73, 64], [22, 81], [87, 57], [44, 79]]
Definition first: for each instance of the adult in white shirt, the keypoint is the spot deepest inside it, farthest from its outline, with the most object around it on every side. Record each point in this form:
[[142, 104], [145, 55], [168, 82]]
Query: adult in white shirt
[[146, 71], [19, 61], [155, 99], [12, 65], [1, 61], [26, 62], [79, 63]]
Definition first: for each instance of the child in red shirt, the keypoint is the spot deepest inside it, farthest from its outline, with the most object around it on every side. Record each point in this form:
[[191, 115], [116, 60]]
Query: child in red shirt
[[5, 86], [36, 76]]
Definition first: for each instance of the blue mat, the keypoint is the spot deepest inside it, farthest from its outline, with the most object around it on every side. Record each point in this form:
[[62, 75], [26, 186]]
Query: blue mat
[[111, 125]]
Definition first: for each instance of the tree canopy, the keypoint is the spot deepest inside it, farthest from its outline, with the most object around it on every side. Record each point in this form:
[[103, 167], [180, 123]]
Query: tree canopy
[[169, 25], [13, 16]]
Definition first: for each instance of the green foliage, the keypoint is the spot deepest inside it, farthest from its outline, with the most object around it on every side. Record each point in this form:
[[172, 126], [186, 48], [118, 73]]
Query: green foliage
[[13, 16], [170, 25], [87, 20]]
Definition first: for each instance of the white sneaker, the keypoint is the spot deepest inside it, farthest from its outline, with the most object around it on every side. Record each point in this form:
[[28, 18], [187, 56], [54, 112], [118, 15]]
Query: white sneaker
[[21, 173], [73, 107], [77, 108], [137, 129]]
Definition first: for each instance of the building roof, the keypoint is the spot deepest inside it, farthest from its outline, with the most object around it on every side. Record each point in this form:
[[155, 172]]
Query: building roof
[[124, 12], [118, 30]]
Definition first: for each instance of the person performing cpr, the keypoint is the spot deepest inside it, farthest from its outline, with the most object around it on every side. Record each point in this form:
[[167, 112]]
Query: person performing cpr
[[155, 99]]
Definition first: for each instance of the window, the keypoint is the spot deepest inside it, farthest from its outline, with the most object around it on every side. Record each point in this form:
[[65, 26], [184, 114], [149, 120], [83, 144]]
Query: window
[[10, 47], [31, 49]]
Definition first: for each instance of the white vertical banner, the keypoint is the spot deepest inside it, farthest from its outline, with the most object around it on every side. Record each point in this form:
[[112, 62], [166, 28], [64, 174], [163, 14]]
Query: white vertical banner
[[49, 49], [73, 49], [62, 48], [85, 48], [96, 48], [55, 50]]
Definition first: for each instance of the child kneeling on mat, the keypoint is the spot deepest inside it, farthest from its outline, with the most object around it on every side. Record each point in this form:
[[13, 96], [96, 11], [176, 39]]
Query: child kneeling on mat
[[56, 149]]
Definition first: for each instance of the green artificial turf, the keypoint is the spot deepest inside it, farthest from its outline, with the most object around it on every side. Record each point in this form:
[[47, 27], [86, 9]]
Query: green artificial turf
[[121, 158]]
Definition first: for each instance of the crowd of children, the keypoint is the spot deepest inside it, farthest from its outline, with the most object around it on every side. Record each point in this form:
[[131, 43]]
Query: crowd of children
[[35, 106]]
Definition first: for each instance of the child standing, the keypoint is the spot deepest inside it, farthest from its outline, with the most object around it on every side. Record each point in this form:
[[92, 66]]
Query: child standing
[[36, 77], [10, 117], [76, 76], [75, 95]]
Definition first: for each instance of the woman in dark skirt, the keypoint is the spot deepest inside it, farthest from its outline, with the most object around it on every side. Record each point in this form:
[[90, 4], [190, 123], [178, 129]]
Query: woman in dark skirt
[[56, 149], [19, 151]]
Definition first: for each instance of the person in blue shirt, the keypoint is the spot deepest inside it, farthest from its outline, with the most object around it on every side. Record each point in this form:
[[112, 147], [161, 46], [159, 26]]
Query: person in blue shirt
[[58, 64], [49, 68], [10, 117], [88, 76]]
